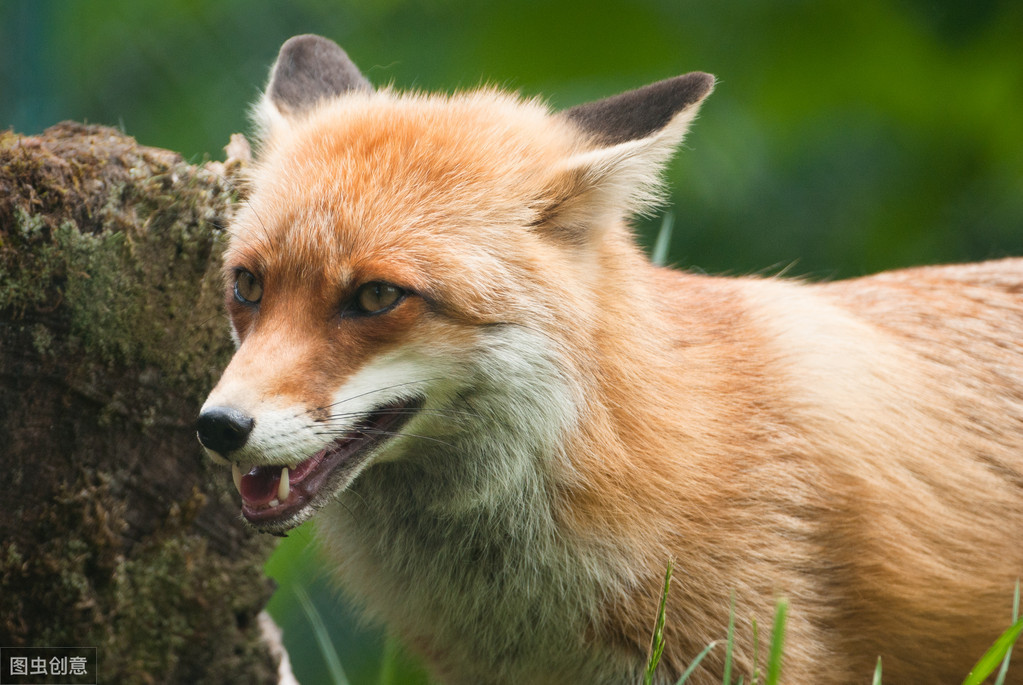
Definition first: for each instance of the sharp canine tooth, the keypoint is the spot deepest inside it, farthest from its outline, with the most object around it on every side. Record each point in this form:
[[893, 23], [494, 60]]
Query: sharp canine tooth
[[216, 457], [236, 473], [284, 487]]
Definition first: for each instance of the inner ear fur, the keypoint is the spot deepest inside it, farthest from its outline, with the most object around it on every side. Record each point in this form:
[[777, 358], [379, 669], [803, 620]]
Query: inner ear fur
[[631, 137]]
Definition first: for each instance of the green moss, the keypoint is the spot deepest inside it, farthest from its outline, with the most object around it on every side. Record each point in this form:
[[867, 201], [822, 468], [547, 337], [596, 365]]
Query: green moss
[[162, 598], [171, 594], [119, 235], [28, 264], [103, 298], [111, 333], [43, 340], [124, 283]]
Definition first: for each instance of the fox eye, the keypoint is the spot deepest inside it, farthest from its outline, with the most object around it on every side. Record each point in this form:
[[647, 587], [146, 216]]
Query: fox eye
[[376, 298], [247, 288]]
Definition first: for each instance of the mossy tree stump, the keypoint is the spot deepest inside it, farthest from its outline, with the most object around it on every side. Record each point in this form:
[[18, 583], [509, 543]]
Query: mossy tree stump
[[115, 532]]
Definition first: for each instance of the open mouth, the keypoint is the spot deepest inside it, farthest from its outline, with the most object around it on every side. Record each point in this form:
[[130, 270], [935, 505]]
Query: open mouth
[[277, 498]]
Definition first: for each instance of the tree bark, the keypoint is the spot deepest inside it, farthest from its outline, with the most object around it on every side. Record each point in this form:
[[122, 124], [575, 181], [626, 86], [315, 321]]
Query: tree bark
[[115, 532]]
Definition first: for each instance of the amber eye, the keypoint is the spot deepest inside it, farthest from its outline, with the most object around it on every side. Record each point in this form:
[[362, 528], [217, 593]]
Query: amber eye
[[247, 288], [376, 298]]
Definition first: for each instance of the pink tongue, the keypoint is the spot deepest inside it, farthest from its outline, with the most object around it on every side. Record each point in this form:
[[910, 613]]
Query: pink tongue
[[303, 468], [259, 486]]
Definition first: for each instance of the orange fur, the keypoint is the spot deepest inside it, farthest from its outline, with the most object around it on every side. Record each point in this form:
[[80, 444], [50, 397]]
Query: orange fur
[[856, 447]]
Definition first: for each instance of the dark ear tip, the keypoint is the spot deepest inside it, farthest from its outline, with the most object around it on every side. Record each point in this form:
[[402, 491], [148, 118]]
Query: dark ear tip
[[310, 68], [701, 82], [307, 42], [690, 88], [639, 113]]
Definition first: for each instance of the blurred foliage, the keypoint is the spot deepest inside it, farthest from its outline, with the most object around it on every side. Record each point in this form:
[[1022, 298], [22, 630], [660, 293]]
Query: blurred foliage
[[842, 138]]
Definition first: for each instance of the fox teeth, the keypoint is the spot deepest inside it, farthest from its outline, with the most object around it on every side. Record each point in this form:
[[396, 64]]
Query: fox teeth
[[284, 487], [216, 457], [236, 474]]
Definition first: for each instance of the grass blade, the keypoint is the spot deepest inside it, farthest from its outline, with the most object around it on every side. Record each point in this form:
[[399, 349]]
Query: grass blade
[[730, 642], [659, 255], [777, 643], [1000, 680], [877, 673], [999, 651], [756, 654], [657, 641], [388, 662], [337, 674], [695, 663]]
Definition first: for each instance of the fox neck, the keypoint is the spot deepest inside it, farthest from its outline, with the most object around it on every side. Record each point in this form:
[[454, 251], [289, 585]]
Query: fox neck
[[478, 524], [470, 531]]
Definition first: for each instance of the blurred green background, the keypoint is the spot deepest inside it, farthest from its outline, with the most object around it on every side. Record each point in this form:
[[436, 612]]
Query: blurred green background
[[843, 137]]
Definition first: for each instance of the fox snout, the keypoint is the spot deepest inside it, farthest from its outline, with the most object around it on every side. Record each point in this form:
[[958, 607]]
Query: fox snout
[[223, 430]]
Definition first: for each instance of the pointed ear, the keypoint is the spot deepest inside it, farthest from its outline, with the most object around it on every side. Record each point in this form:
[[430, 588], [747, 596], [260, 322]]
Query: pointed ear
[[671, 103], [633, 135], [308, 70]]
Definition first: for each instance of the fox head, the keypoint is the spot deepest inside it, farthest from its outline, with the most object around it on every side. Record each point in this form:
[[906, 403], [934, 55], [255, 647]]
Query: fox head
[[417, 280]]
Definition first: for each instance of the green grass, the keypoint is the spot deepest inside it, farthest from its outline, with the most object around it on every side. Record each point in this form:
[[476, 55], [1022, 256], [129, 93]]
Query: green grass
[[659, 253], [395, 667], [657, 642], [333, 661], [777, 643], [997, 657], [1001, 651], [774, 660]]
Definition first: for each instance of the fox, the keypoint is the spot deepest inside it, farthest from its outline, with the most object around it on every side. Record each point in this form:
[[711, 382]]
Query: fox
[[452, 351]]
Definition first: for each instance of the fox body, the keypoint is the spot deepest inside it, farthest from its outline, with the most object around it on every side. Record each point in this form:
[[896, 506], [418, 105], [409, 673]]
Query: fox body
[[509, 421]]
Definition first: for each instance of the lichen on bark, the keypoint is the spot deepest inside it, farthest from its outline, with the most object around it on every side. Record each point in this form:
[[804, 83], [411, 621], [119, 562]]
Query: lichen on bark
[[117, 534]]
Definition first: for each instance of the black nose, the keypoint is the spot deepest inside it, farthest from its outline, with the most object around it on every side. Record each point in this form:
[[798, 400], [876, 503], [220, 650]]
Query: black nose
[[223, 429]]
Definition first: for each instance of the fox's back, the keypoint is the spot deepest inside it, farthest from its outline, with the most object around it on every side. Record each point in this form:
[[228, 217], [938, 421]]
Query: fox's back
[[950, 498], [928, 483]]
